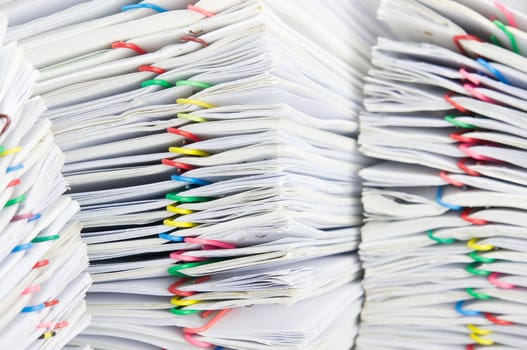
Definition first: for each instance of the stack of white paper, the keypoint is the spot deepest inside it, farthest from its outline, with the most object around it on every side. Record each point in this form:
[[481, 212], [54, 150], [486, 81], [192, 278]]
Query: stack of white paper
[[444, 246], [252, 196], [42, 257]]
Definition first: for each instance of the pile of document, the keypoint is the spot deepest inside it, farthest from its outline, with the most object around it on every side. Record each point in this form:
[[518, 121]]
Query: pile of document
[[444, 246], [212, 148], [42, 257]]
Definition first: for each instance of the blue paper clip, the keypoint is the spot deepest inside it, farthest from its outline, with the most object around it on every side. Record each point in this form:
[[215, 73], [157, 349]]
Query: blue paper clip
[[191, 180], [35, 217], [461, 311], [22, 247], [169, 237], [14, 168], [493, 70], [144, 5], [440, 201], [32, 308]]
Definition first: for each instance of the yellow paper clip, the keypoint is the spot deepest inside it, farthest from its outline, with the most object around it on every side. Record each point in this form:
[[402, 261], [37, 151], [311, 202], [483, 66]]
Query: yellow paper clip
[[177, 301], [188, 151], [11, 151], [177, 210], [180, 224], [473, 244], [189, 101]]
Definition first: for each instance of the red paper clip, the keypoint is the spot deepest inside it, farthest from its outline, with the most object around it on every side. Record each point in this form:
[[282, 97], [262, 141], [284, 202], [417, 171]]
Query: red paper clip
[[448, 98], [458, 38], [152, 69], [201, 11], [465, 216], [131, 46], [188, 38]]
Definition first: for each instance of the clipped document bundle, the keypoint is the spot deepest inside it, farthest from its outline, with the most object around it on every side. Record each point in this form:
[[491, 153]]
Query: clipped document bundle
[[212, 148], [42, 257]]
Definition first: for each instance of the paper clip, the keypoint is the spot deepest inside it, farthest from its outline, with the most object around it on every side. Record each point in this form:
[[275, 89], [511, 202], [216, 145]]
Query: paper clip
[[200, 344], [458, 136], [191, 117], [477, 295], [458, 38], [14, 201], [130, 46], [493, 70], [32, 289], [48, 335], [7, 152], [449, 180], [22, 217], [167, 236], [201, 11], [448, 98], [465, 216], [468, 76], [478, 272], [174, 196], [6, 126], [179, 224], [452, 120], [176, 164], [188, 151], [175, 269], [188, 38], [474, 255], [497, 321], [493, 278], [14, 168], [473, 244], [439, 200], [461, 311], [509, 34], [190, 101], [465, 148], [33, 308], [159, 82], [210, 242], [177, 301], [473, 92], [173, 287], [184, 133], [508, 14], [209, 324], [463, 166], [35, 217], [480, 340], [191, 180], [13, 183], [41, 263], [177, 210], [22, 247], [144, 5], [183, 312], [40, 239], [152, 69], [51, 303], [193, 83], [430, 234]]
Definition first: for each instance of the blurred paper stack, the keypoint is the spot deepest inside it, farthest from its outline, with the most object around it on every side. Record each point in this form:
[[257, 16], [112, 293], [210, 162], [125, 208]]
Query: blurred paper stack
[[444, 246]]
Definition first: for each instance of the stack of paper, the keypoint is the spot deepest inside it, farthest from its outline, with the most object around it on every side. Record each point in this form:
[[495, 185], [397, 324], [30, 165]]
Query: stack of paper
[[42, 258], [212, 148], [444, 246]]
